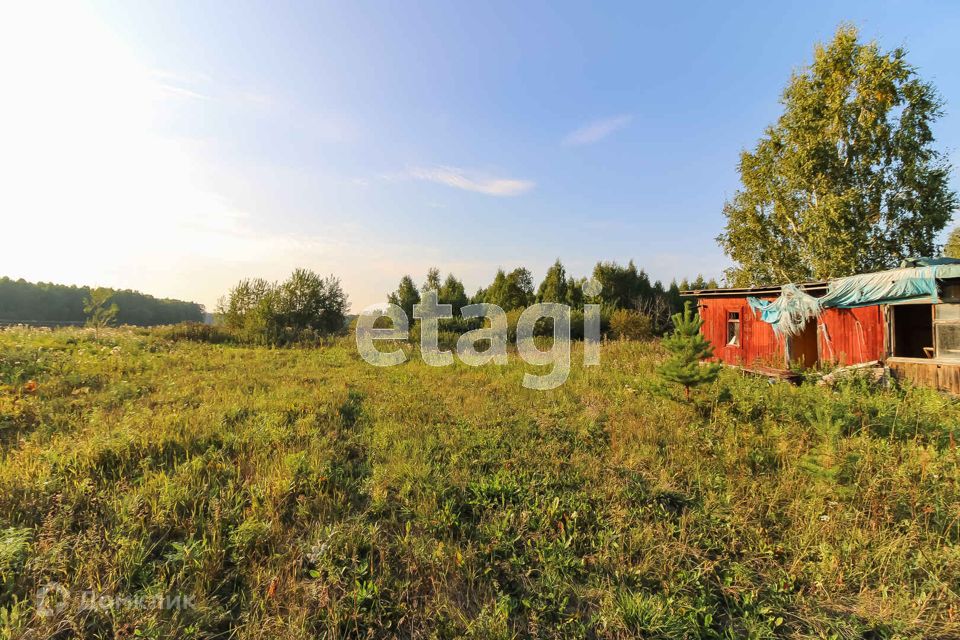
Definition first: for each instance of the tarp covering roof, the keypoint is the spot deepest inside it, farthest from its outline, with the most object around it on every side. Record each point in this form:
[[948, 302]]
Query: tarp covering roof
[[928, 262], [789, 313]]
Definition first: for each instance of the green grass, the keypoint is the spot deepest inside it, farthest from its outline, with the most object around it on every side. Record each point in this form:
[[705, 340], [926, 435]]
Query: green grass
[[302, 493]]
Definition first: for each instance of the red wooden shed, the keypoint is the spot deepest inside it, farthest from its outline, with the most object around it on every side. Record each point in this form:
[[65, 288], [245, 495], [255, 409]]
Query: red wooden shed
[[918, 338], [739, 336]]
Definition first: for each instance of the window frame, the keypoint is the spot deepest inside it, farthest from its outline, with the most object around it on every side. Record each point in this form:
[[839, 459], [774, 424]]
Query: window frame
[[734, 340], [942, 322]]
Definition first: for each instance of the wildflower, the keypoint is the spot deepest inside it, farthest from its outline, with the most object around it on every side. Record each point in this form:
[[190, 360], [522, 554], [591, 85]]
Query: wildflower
[[31, 386]]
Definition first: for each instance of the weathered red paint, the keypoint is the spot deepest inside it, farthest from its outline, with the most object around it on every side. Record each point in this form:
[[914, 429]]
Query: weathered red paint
[[845, 336], [758, 342], [851, 336]]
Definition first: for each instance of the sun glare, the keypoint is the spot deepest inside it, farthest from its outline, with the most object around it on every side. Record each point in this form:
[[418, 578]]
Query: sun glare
[[82, 148]]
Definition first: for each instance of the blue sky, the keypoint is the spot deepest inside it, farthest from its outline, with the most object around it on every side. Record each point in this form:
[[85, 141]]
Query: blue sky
[[176, 147]]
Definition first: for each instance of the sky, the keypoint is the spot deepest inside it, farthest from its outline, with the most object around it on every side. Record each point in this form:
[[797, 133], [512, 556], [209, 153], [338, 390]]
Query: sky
[[177, 147]]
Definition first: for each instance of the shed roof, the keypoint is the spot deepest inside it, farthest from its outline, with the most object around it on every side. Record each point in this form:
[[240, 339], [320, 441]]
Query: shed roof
[[814, 288], [944, 269]]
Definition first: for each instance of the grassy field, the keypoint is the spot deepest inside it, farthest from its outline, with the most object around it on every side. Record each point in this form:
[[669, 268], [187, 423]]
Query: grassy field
[[302, 493]]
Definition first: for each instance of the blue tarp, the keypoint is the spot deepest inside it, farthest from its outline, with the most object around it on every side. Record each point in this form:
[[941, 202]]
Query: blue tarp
[[790, 312], [909, 284]]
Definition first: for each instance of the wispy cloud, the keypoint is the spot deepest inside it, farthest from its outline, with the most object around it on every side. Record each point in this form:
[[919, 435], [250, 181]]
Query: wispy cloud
[[597, 130], [178, 84], [181, 91], [471, 181]]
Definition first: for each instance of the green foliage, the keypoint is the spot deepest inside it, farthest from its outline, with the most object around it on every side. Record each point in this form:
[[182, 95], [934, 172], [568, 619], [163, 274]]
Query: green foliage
[[554, 285], [630, 288], [99, 313], [249, 310], [307, 302], [630, 325], [698, 283], [687, 348], [847, 181], [510, 291], [450, 291], [196, 332], [406, 296], [22, 301], [575, 292], [623, 287], [14, 551], [952, 248], [453, 293], [626, 288], [432, 282], [303, 307], [821, 461]]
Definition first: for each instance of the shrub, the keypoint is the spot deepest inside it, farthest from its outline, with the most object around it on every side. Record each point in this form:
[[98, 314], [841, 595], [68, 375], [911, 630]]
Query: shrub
[[195, 332], [303, 309], [627, 324]]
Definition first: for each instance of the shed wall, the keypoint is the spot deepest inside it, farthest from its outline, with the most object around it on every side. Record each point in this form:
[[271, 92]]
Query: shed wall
[[852, 336], [845, 336], [758, 342]]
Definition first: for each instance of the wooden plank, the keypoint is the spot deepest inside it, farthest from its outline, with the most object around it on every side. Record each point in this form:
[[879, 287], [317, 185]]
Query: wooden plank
[[914, 370], [948, 377], [852, 336]]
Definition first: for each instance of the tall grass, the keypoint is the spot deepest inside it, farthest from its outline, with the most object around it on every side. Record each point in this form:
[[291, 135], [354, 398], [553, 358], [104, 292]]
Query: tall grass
[[303, 493]]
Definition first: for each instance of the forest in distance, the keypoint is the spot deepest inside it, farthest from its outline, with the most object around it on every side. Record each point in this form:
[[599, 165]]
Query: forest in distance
[[49, 303]]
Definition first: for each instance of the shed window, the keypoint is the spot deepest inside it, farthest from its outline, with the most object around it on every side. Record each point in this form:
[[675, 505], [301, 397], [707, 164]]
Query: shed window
[[733, 328], [946, 331], [950, 292]]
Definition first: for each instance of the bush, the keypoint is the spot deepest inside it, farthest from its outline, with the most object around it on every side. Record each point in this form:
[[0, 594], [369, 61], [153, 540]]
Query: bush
[[305, 308], [626, 324], [453, 328], [195, 332]]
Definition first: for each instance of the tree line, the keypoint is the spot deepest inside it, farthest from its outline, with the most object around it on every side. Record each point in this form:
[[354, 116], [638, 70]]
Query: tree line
[[22, 301], [631, 302], [307, 307]]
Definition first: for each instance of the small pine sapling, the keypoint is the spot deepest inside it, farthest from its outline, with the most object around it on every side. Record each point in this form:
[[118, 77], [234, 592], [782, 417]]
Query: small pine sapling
[[687, 348]]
